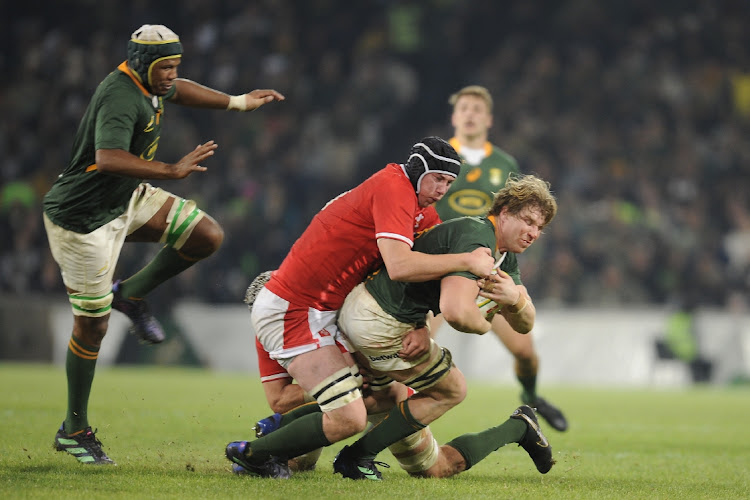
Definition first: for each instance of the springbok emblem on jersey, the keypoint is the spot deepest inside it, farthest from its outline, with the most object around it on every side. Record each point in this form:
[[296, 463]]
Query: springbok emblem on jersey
[[495, 175]]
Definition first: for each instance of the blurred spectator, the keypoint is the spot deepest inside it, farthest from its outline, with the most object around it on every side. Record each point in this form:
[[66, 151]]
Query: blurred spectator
[[636, 112]]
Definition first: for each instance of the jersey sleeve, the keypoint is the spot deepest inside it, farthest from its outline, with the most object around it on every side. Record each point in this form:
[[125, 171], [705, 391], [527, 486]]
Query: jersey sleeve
[[427, 218], [394, 212], [115, 122]]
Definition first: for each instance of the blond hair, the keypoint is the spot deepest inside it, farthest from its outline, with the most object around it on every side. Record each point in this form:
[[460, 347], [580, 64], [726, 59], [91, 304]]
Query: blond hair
[[475, 90], [522, 191]]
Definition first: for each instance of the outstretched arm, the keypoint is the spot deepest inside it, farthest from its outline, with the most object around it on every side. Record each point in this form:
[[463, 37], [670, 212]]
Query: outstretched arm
[[190, 93], [121, 162]]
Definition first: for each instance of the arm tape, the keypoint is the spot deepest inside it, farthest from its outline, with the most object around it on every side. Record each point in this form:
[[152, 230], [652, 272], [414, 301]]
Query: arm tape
[[237, 102]]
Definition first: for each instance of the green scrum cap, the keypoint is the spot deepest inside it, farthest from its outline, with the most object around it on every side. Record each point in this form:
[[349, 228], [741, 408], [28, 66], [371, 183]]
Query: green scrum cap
[[150, 44]]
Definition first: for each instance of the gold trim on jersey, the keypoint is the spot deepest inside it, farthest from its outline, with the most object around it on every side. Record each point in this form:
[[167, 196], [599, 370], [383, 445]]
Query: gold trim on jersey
[[457, 146], [126, 69]]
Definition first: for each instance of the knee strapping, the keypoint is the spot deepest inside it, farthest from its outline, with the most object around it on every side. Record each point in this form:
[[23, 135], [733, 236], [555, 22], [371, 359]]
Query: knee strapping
[[354, 369], [380, 383], [416, 452], [182, 219], [433, 373], [337, 391], [93, 307]]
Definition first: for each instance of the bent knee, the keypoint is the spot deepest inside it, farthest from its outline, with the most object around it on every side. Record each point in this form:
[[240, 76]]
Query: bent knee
[[355, 426], [205, 239], [454, 392], [447, 398], [90, 330], [213, 235], [525, 356], [457, 396], [343, 425]]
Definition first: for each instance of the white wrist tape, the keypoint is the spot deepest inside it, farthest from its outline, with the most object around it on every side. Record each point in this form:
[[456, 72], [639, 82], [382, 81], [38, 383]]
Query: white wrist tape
[[237, 102]]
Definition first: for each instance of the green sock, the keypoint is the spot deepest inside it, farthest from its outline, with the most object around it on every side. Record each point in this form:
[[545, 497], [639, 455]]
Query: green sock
[[303, 435], [476, 446], [300, 411], [165, 264], [528, 383], [398, 424], [80, 364]]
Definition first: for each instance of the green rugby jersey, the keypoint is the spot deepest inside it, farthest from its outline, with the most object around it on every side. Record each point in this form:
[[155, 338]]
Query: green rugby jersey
[[123, 115], [474, 189], [410, 302]]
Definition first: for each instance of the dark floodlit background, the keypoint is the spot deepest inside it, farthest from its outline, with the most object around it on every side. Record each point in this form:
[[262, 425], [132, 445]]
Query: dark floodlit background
[[637, 112]]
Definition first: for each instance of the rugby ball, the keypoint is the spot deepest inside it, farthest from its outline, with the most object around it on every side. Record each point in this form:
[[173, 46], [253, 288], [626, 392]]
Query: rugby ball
[[488, 307]]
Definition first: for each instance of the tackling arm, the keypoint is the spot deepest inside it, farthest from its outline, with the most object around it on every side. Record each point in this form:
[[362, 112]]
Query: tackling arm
[[403, 264]]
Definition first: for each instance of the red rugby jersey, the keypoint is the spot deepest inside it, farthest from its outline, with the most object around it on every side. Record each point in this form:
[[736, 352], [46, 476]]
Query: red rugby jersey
[[339, 247]]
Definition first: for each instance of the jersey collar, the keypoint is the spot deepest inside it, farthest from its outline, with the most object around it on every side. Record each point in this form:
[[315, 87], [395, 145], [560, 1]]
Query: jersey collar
[[498, 255], [457, 146], [126, 69]]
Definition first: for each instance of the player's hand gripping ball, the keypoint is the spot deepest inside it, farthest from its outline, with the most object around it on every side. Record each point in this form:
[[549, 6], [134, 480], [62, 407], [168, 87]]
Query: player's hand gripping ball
[[488, 306]]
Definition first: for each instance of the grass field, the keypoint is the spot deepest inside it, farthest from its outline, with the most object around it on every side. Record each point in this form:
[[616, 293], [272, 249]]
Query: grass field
[[167, 428]]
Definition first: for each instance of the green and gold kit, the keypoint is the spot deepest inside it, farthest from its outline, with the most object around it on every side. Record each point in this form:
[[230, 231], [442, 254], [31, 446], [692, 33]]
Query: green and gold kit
[[410, 302], [123, 115], [472, 192]]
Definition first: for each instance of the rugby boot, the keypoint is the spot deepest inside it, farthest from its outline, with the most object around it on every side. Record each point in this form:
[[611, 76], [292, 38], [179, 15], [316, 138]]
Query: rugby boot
[[533, 441], [83, 445], [273, 467], [145, 327], [352, 467]]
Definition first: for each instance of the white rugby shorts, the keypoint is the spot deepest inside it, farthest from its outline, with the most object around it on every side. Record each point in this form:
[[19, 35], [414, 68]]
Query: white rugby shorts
[[375, 333], [87, 261], [286, 330]]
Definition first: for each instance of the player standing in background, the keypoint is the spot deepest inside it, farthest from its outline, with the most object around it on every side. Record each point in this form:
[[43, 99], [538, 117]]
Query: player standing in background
[[486, 168], [294, 315], [100, 201]]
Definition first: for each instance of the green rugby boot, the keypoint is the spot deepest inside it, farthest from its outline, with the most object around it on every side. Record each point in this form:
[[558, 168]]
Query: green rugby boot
[[83, 445]]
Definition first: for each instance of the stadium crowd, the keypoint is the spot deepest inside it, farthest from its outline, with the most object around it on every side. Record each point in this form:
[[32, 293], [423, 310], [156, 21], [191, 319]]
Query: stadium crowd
[[637, 112]]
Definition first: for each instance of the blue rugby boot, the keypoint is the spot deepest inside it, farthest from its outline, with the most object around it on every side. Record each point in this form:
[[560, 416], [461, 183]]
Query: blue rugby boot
[[273, 467], [267, 425], [145, 327]]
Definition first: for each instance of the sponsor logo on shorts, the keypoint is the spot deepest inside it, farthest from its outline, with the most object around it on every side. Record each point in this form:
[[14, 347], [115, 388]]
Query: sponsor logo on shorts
[[383, 357]]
